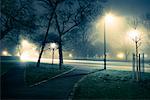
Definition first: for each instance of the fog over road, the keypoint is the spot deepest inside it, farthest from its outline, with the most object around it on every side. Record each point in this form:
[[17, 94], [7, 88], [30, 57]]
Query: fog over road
[[113, 65]]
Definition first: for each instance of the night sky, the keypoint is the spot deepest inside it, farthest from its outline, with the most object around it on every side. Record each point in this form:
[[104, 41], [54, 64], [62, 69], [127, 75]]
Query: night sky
[[121, 9], [129, 7]]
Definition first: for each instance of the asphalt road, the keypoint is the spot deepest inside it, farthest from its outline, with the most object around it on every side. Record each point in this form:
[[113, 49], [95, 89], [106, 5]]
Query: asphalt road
[[113, 65], [14, 87]]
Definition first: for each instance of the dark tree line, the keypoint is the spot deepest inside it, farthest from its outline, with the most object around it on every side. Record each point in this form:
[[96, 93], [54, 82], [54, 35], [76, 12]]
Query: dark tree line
[[16, 15], [67, 15], [62, 16]]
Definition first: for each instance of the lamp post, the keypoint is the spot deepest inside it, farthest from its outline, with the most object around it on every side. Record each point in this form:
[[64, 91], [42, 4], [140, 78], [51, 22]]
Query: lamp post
[[105, 44], [5, 53], [53, 47], [108, 18]]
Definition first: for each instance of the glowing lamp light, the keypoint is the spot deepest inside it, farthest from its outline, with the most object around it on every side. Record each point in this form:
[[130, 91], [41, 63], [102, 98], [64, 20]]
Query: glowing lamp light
[[120, 55], [24, 42], [134, 34], [28, 51], [5, 53], [53, 45], [25, 56], [109, 18], [145, 55], [70, 55]]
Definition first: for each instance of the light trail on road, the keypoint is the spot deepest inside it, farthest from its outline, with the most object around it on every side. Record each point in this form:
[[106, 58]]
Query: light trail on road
[[113, 65]]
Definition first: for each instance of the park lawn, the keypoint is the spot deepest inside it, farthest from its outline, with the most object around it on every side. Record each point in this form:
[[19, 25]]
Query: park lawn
[[34, 74], [111, 84]]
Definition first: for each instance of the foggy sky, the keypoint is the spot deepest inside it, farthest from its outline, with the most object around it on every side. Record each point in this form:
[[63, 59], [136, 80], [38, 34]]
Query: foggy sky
[[129, 7], [117, 32]]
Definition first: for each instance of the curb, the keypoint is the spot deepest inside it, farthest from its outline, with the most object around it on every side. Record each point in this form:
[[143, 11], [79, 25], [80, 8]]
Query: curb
[[53, 77], [72, 93]]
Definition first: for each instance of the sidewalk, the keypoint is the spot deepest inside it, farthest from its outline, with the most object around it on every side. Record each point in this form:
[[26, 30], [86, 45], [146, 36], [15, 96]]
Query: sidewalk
[[13, 86], [12, 82]]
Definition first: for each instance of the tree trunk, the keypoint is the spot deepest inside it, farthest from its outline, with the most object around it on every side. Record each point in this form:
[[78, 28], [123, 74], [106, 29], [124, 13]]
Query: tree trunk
[[126, 57], [60, 53], [137, 65], [19, 50], [40, 55], [44, 41]]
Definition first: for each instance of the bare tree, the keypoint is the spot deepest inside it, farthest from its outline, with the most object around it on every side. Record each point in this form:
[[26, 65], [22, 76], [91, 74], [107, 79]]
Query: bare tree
[[15, 14], [126, 52], [71, 16], [52, 5], [146, 22], [82, 36], [67, 15], [67, 20], [15, 38], [134, 22]]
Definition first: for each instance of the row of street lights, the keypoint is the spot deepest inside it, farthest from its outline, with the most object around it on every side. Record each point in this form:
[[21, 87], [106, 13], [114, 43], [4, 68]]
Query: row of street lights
[[107, 19], [134, 35]]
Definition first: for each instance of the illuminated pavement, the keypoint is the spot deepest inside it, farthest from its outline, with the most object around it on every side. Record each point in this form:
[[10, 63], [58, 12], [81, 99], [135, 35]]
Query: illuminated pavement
[[12, 82], [113, 65], [125, 66], [13, 86]]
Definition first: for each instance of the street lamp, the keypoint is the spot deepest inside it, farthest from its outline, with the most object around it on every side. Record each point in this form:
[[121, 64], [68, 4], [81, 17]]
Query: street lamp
[[4, 53], [53, 46], [120, 55], [108, 19], [70, 55]]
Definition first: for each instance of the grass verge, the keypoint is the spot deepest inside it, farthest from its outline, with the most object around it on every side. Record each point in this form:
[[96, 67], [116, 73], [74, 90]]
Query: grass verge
[[34, 74], [110, 84]]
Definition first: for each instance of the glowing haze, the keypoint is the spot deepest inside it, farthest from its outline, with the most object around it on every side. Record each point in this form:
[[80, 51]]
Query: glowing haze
[[119, 34], [28, 51]]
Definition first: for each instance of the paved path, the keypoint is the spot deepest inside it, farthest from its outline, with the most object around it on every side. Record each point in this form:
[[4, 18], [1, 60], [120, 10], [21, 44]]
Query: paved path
[[12, 82], [13, 86]]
